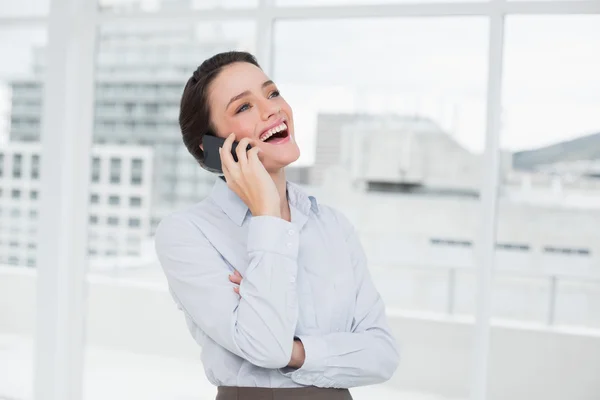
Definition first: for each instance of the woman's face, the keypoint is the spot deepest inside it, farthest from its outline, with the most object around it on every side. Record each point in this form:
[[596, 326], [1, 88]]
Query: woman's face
[[243, 100]]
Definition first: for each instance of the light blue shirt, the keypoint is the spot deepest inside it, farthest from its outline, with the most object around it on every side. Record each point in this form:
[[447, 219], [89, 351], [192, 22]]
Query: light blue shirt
[[307, 278]]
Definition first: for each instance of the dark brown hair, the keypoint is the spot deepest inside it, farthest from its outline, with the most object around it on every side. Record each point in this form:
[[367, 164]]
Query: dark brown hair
[[194, 112]]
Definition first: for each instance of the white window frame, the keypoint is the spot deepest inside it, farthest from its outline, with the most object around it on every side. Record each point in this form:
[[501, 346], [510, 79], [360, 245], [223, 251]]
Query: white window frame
[[71, 45]]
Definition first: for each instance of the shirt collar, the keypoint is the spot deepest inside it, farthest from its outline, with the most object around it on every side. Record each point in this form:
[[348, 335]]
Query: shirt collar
[[237, 210]]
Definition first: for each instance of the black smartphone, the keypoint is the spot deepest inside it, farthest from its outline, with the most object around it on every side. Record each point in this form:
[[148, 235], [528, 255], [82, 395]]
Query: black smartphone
[[211, 144]]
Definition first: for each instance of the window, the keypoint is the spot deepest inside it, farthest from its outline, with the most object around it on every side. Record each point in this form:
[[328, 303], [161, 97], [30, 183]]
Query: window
[[94, 198], [35, 167], [135, 201], [96, 170], [16, 194], [567, 251], [512, 246], [93, 219], [451, 242], [136, 171], [112, 221], [134, 222], [17, 161], [33, 214], [1, 164], [33, 195], [115, 170], [114, 200]]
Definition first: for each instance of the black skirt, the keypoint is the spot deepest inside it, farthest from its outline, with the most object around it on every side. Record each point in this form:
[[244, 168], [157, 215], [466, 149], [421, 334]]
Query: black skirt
[[304, 393]]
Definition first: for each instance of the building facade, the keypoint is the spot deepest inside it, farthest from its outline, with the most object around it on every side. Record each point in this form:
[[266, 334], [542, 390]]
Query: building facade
[[120, 201]]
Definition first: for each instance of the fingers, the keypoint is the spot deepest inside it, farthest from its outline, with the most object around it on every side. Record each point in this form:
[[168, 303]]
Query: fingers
[[225, 152], [253, 154], [236, 278], [241, 151]]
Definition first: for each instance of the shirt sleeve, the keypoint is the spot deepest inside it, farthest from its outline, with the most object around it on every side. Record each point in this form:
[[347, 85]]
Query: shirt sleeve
[[367, 354], [260, 325]]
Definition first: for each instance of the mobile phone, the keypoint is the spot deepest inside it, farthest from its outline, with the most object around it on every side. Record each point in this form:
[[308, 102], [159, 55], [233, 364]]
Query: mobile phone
[[212, 159]]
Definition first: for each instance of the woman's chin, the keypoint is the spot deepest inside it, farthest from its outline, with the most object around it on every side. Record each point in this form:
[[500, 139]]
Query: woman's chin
[[281, 159]]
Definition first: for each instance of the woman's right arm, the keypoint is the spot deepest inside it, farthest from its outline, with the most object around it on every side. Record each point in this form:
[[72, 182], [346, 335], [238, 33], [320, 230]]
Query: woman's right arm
[[260, 325]]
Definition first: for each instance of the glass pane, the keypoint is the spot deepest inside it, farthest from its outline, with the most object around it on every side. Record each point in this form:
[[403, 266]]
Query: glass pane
[[390, 115], [172, 5], [24, 7], [20, 109], [138, 152], [549, 207]]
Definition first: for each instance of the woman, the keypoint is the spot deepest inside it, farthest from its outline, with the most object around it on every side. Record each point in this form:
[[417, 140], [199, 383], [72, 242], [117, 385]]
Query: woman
[[274, 286]]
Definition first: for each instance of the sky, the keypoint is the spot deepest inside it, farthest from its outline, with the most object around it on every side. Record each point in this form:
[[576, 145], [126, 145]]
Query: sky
[[434, 67]]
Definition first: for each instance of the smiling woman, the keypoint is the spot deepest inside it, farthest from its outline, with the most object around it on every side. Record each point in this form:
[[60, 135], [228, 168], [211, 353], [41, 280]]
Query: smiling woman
[[274, 286]]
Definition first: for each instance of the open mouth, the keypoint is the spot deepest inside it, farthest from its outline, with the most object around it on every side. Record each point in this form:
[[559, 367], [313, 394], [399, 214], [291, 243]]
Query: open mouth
[[275, 135]]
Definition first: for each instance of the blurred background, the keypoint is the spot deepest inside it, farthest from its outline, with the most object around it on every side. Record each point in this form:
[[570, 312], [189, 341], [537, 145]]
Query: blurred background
[[462, 140]]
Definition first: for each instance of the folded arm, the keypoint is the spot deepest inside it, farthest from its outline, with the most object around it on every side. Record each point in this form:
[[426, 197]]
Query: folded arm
[[258, 326]]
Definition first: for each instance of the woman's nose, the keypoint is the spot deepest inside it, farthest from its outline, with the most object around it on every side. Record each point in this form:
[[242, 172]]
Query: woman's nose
[[269, 108]]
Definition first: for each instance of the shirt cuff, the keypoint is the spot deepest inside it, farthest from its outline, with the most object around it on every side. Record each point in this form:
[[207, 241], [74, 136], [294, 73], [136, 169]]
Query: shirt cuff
[[274, 235], [313, 369]]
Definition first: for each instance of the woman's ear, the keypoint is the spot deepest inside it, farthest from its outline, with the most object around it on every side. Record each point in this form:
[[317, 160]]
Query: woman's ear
[[201, 146]]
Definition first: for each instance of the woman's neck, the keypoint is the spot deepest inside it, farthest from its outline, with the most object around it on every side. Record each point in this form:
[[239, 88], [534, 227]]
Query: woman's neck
[[281, 185]]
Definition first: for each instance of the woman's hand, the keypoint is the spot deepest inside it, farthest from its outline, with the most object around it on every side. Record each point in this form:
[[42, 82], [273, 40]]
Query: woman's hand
[[236, 278], [298, 355], [249, 179]]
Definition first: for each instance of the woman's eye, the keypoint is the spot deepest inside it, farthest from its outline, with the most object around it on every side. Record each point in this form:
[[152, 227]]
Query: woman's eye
[[274, 93], [244, 107]]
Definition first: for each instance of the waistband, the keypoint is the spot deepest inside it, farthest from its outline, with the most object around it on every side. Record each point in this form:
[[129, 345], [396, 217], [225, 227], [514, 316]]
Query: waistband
[[303, 393]]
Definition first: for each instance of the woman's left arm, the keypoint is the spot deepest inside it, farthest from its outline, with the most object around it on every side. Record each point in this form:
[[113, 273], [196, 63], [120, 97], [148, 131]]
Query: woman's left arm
[[367, 354]]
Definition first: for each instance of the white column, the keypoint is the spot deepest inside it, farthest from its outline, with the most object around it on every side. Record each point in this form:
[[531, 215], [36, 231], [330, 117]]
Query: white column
[[264, 37], [489, 202], [66, 132]]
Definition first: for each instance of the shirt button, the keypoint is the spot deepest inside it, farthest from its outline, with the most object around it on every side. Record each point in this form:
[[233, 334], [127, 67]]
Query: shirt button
[[291, 232], [289, 245], [293, 279]]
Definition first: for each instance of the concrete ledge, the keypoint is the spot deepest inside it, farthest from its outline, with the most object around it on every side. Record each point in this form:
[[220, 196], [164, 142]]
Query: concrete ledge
[[527, 361]]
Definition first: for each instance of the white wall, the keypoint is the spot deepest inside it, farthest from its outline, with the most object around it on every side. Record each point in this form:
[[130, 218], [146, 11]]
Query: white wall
[[526, 363]]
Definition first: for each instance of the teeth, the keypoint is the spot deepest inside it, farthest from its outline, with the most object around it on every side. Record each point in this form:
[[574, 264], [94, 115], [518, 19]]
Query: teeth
[[273, 131]]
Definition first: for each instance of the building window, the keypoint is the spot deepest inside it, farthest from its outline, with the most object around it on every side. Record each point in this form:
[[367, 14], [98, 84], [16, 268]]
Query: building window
[[134, 222], [13, 244], [94, 199], [33, 214], [1, 164], [136, 171], [96, 169], [114, 200], [567, 251], [16, 194], [32, 245], [113, 221], [12, 260], [135, 201], [31, 262], [93, 219], [15, 212], [513, 246], [33, 195], [35, 167], [17, 161], [115, 170], [451, 242]]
